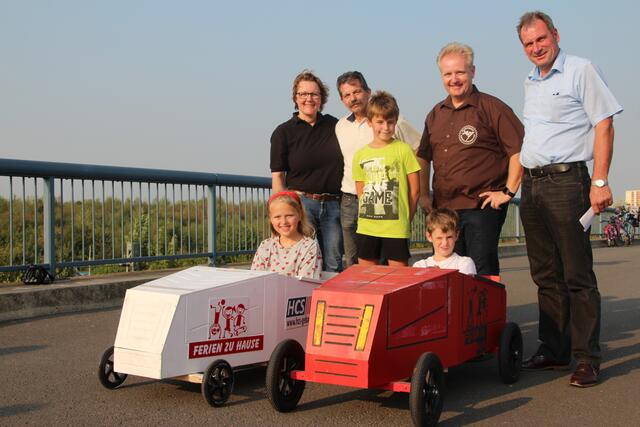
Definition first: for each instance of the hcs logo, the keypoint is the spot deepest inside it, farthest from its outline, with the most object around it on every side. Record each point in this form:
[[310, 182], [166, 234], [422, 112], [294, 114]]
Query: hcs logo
[[298, 306]]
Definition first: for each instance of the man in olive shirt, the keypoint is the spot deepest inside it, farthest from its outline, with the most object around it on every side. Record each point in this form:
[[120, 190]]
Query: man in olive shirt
[[473, 140]]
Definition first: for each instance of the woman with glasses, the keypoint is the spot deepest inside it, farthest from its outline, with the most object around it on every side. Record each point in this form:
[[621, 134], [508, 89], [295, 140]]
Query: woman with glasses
[[306, 158]]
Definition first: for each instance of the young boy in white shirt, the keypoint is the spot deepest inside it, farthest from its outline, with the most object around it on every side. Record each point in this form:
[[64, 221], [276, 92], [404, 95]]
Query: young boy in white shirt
[[442, 232]]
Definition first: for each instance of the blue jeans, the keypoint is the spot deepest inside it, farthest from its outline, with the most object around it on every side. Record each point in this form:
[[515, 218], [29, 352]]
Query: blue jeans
[[561, 263], [349, 221], [479, 237], [324, 216]]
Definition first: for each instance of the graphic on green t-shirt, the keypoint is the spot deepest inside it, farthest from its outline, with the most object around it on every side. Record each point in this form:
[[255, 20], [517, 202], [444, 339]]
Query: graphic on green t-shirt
[[384, 202], [380, 192]]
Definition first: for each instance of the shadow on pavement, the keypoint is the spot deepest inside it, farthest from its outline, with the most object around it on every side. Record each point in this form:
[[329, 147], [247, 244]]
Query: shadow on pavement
[[470, 384], [248, 386], [4, 351], [7, 411], [473, 415], [397, 400], [595, 263]]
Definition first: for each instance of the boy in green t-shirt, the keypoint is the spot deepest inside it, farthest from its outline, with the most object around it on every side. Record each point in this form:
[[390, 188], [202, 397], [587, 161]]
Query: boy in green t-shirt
[[386, 176]]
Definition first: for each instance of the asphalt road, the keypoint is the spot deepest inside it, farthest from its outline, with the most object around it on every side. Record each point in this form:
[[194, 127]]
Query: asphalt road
[[48, 375]]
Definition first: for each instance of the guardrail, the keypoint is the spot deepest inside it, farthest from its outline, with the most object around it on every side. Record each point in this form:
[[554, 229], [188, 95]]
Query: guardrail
[[64, 215], [73, 215]]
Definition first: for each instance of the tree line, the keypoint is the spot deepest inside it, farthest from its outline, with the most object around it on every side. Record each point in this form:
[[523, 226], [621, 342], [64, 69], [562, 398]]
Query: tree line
[[124, 229]]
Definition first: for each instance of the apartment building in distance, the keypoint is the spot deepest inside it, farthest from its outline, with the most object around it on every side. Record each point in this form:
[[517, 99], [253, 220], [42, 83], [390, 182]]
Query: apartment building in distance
[[632, 197]]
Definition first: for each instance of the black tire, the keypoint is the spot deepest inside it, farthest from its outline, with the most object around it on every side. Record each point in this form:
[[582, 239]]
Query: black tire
[[108, 377], [426, 397], [283, 392], [217, 383], [510, 353]]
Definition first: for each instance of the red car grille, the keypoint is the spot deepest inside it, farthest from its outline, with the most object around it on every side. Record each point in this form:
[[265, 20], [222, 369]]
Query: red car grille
[[341, 325]]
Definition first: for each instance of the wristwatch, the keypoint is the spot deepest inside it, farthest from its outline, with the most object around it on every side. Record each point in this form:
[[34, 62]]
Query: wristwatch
[[508, 192], [600, 183]]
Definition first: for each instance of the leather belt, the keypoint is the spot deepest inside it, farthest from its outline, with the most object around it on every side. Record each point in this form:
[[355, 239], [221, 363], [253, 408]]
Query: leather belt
[[554, 168], [319, 196], [349, 196]]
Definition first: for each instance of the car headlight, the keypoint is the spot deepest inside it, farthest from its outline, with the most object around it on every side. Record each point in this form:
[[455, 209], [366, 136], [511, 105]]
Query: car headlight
[[319, 321], [364, 327]]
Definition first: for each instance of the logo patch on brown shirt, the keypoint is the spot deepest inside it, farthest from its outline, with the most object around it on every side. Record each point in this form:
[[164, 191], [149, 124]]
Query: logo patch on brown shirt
[[468, 135]]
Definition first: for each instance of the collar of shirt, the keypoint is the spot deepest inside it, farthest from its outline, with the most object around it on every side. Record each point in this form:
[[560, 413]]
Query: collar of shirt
[[471, 100], [558, 66], [297, 120], [351, 118]]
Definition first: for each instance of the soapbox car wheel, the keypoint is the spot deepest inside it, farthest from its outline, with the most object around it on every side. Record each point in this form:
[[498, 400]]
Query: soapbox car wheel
[[284, 392], [217, 383], [427, 390], [108, 377], [510, 353]]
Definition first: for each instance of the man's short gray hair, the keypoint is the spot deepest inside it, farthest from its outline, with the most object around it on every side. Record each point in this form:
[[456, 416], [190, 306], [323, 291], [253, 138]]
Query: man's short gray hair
[[530, 17], [456, 48]]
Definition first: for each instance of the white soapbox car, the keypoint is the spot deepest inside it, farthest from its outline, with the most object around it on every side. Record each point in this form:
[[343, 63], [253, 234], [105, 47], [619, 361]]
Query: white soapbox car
[[201, 323]]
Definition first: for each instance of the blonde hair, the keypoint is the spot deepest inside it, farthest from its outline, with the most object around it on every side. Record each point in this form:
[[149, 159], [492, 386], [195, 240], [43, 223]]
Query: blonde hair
[[444, 219], [458, 49], [304, 226], [383, 104]]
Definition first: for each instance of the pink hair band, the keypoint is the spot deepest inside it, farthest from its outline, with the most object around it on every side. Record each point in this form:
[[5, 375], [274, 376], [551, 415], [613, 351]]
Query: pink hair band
[[279, 194]]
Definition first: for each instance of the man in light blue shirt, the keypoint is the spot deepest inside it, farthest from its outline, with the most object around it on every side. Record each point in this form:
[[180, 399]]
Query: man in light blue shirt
[[568, 120]]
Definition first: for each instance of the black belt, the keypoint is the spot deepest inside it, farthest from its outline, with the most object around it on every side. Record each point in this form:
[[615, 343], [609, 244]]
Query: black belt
[[349, 196], [553, 169]]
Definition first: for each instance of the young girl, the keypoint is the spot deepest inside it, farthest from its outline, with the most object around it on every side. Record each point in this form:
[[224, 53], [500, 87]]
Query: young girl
[[292, 249]]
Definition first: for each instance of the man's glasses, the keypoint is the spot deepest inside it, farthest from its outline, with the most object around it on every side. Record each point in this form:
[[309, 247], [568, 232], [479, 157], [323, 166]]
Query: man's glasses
[[305, 95]]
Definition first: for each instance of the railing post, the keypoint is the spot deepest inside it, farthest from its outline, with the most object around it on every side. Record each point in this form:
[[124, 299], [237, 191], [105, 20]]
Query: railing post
[[211, 224], [49, 218]]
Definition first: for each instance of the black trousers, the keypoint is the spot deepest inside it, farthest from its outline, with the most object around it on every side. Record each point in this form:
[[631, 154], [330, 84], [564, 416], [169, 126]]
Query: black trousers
[[561, 263], [479, 236]]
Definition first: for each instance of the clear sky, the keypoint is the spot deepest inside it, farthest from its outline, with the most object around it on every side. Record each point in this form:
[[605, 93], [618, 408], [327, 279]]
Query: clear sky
[[200, 85]]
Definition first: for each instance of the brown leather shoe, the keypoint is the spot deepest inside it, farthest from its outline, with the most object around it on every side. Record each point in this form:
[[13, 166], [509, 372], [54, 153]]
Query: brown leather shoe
[[585, 375], [540, 362]]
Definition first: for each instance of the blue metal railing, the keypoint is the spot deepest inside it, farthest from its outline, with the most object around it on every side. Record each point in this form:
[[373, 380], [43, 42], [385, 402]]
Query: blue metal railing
[[135, 215], [130, 214]]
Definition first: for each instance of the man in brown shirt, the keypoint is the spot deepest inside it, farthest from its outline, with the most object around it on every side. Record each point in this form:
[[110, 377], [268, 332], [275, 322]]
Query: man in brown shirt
[[473, 140]]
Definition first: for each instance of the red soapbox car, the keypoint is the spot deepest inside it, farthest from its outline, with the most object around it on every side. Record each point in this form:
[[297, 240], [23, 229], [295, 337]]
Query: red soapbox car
[[375, 327]]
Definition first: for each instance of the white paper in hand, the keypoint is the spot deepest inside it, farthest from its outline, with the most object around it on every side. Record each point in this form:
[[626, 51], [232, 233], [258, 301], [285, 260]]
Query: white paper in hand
[[587, 219]]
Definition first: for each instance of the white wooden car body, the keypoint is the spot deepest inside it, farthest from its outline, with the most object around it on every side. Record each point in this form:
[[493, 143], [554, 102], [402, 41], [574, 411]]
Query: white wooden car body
[[177, 325]]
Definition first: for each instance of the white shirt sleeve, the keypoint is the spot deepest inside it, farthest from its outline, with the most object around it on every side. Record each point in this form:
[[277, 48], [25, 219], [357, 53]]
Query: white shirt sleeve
[[420, 264], [407, 133], [466, 266], [597, 100]]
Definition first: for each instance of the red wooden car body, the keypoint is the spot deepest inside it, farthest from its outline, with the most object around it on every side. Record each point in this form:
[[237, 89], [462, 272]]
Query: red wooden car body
[[369, 326]]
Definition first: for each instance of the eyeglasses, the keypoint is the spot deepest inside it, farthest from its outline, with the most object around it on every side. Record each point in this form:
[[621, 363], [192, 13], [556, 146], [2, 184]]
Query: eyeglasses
[[304, 95]]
